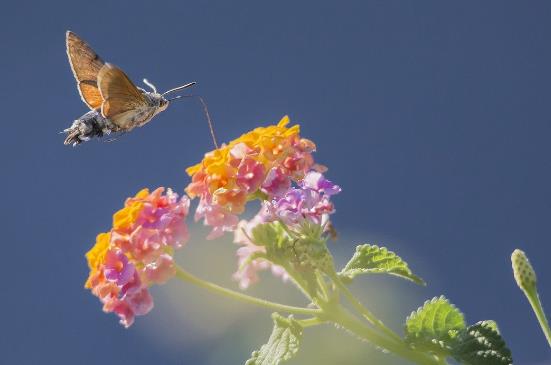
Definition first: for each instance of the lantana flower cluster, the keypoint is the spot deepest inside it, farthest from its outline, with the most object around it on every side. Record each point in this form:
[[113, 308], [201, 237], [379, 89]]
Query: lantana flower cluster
[[264, 164], [137, 252], [309, 202], [288, 235], [273, 164]]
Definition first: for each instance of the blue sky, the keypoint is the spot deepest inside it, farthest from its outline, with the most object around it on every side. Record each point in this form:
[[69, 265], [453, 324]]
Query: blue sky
[[433, 116]]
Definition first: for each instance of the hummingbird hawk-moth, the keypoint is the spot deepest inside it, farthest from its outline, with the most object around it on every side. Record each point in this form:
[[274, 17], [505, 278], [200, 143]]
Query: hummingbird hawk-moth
[[116, 104]]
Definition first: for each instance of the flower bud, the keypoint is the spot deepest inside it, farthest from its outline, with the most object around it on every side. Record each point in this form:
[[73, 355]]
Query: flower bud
[[271, 234], [525, 275]]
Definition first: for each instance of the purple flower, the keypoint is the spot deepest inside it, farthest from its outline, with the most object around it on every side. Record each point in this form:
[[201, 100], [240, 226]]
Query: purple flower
[[291, 206], [311, 201], [117, 268], [316, 181]]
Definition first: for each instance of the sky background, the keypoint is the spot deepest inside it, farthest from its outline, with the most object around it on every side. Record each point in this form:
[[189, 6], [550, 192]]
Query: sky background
[[433, 116]]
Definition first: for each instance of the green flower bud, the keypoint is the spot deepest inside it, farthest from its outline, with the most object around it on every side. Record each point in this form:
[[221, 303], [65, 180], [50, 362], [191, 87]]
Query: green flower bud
[[525, 275], [311, 253], [269, 234]]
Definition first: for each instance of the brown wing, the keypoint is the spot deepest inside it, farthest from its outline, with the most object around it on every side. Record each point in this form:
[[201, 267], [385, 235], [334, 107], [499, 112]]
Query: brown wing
[[85, 64], [121, 98]]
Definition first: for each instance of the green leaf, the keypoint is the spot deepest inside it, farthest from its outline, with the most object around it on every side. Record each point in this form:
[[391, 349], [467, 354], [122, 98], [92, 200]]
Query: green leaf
[[372, 259], [282, 345], [491, 324], [481, 344], [434, 326]]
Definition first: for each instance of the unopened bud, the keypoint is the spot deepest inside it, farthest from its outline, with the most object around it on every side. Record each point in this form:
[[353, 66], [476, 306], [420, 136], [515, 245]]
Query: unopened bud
[[523, 271]]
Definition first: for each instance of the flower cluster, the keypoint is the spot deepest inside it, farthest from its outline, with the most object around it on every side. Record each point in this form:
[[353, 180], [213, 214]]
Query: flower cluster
[[137, 252], [310, 202], [271, 163], [262, 162]]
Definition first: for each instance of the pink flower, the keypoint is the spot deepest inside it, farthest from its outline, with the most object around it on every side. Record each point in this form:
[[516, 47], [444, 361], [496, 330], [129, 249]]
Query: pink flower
[[125, 313], [128, 300], [161, 270], [276, 182], [137, 252], [216, 217], [138, 303], [250, 175]]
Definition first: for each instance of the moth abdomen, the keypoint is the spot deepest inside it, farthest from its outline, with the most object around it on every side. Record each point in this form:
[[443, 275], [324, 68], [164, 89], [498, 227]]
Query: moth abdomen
[[88, 126]]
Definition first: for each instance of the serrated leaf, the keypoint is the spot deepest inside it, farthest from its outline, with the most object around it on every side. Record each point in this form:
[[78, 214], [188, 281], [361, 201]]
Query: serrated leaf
[[372, 259], [282, 345], [491, 324], [481, 344], [434, 326]]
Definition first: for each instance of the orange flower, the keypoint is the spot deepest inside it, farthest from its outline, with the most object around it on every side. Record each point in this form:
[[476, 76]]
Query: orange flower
[[124, 218], [96, 256]]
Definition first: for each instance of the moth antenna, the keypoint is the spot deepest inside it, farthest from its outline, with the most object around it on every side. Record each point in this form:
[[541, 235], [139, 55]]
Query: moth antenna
[[179, 88], [145, 81]]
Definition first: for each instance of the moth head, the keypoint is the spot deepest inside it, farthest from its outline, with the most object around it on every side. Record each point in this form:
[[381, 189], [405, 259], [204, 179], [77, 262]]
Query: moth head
[[158, 100], [163, 103]]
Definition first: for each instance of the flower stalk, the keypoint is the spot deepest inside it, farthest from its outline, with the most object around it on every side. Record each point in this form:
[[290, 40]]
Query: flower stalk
[[349, 322], [526, 279], [366, 313], [244, 298], [334, 314]]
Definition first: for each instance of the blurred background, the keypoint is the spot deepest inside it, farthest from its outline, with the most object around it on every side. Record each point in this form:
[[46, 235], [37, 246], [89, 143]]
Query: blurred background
[[433, 116]]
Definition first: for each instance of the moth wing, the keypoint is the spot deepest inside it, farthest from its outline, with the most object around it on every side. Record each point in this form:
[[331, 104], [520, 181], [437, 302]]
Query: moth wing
[[120, 96], [85, 64]]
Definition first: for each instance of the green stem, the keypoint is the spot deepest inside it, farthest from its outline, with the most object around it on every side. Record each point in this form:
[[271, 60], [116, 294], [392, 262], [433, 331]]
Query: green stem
[[534, 299], [322, 286], [187, 277], [299, 283], [366, 313], [303, 286], [349, 322], [311, 322]]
